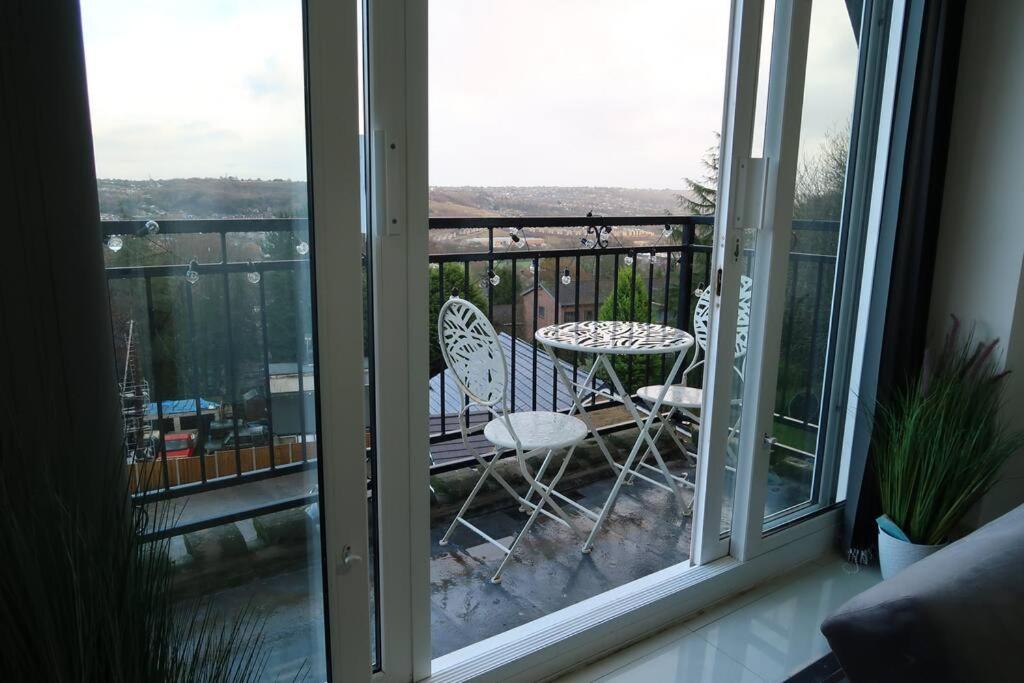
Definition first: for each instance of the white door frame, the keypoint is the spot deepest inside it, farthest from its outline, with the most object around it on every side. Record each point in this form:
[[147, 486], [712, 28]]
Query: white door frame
[[333, 145], [396, 128], [771, 266], [737, 135], [398, 93]]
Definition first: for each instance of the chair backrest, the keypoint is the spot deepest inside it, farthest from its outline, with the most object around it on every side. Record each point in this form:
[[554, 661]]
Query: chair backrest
[[471, 350], [702, 313]]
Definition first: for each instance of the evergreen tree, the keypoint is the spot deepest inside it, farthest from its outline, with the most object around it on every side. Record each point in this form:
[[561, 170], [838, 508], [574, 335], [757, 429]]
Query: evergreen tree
[[702, 197], [628, 303]]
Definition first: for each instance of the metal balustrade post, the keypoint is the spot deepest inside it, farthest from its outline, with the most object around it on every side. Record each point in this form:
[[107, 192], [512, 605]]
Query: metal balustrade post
[[533, 332], [558, 319], [650, 311], [811, 355], [787, 343], [515, 305], [154, 393], [576, 314], [229, 354], [268, 400], [444, 366], [683, 321], [597, 315], [300, 359], [196, 394]]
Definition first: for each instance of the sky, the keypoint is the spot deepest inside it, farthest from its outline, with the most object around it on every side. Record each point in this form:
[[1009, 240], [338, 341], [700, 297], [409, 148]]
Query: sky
[[522, 92]]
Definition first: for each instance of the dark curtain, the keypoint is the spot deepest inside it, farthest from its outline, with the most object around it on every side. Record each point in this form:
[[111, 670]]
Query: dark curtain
[[928, 88]]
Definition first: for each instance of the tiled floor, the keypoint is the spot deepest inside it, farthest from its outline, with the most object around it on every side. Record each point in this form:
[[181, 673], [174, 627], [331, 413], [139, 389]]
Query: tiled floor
[[766, 634]]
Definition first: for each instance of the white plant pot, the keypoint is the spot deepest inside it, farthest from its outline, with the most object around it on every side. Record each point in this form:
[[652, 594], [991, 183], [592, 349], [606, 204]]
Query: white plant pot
[[895, 555]]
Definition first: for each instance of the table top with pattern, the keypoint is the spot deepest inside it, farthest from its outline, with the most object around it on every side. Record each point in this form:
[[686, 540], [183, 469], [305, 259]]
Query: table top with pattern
[[612, 336]]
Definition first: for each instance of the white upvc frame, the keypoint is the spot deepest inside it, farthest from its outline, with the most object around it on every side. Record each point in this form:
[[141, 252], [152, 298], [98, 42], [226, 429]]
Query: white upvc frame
[[771, 262], [396, 126], [397, 86], [737, 136], [877, 260], [332, 126]]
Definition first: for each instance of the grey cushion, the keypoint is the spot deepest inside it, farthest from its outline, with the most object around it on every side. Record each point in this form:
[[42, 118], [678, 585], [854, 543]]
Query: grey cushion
[[957, 615]]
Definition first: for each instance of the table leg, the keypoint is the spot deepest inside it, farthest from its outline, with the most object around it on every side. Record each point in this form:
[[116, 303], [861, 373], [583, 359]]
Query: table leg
[[644, 426], [646, 434], [578, 404]]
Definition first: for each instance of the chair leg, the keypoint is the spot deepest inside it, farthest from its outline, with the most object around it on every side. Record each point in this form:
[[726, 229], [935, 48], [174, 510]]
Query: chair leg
[[471, 496], [540, 473], [544, 492], [663, 421], [512, 548], [540, 488]]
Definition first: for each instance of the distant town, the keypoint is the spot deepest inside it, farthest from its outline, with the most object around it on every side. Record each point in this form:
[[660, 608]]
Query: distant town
[[187, 198]]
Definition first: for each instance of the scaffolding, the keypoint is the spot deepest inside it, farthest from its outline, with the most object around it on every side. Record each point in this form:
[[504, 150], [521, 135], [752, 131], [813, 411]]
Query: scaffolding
[[134, 401]]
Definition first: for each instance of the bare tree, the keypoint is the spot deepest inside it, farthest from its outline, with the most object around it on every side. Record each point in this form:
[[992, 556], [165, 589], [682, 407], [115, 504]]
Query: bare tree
[[821, 177]]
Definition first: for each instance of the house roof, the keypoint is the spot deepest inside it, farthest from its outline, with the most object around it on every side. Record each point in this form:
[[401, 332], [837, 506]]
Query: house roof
[[180, 406], [567, 293]]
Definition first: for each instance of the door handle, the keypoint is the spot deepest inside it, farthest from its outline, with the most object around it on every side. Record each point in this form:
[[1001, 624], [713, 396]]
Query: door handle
[[348, 560]]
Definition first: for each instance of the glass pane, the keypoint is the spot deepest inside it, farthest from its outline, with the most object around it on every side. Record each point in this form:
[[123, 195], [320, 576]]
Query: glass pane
[[532, 143], [198, 115], [793, 479], [369, 381], [748, 251]]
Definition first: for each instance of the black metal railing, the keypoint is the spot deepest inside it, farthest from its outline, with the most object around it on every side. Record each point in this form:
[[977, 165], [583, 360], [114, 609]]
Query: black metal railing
[[668, 268]]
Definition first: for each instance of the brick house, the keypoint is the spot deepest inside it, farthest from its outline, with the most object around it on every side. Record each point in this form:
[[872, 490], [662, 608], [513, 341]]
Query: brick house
[[566, 305]]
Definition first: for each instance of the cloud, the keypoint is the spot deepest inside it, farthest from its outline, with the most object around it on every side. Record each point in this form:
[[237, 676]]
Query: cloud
[[532, 92]]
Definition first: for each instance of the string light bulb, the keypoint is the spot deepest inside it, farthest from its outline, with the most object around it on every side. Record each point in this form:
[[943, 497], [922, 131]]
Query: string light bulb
[[493, 278], [253, 276], [152, 227], [115, 243], [566, 278], [302, 248], [628, 259], [192, 275], [516, 235]]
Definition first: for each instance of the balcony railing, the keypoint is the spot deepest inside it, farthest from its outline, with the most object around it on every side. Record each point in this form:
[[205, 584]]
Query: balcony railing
[[668, 268]]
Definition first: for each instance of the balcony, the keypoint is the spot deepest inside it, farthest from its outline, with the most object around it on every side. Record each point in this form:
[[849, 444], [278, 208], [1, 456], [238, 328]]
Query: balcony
[[211, 347]]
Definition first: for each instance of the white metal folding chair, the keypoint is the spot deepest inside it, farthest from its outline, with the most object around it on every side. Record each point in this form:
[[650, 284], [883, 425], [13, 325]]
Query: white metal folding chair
[[682, 399], [471, 350]]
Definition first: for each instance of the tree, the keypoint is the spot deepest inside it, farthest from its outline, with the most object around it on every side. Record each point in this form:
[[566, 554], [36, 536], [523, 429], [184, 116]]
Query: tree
[[820, 185], [453, 279], [821, 178], [629, 302], [503, 290], [703, 193]]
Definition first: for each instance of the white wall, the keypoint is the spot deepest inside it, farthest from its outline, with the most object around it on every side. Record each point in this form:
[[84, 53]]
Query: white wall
[[980, 259]]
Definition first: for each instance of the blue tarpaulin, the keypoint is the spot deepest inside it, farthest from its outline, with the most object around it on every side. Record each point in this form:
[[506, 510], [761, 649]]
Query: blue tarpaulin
[[179, 405]]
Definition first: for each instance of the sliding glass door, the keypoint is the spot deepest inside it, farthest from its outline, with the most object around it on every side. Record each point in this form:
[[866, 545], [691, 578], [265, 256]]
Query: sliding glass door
[[227, 148], [782, 234]]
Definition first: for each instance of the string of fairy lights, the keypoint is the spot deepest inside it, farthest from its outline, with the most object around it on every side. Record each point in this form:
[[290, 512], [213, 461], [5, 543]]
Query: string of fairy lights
[[595, 237], [151, 228]]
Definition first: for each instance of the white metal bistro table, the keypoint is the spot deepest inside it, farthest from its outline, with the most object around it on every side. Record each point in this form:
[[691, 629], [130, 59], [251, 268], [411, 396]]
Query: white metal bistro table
[[612, 338]]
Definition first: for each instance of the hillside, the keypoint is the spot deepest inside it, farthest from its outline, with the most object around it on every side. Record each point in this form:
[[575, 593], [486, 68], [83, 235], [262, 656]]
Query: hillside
[[237, 198]]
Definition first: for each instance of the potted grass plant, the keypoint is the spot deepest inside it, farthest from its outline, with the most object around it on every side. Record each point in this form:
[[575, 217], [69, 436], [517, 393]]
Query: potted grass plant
[[939, 445], [84, 595]]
